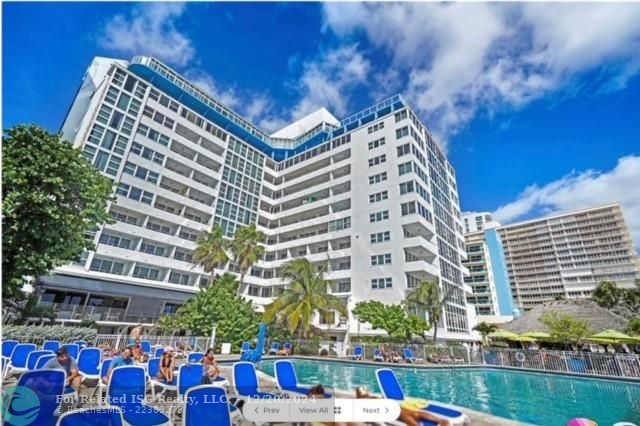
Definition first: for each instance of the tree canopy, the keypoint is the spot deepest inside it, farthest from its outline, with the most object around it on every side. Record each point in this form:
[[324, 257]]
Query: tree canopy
[[51, 198], [218, 305], [565, 328], [485, 329], [393, 319], [211, 252], [622, 301]]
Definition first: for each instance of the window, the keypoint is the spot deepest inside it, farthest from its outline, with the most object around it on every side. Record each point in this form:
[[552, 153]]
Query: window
[[96, 134], [377, 178], [344, 286], [401, 115], [404, 168], [146, 273], [378, 196], [379, 216], [381, 259], [107, 142], [177, 278], [377, 160], [152, 249], [406, 187], [116, 241], [101, 160], [123, 102], [116, 120], [114, 165], [404, 149], [381, 283], [128, 86], [106, 266], [408, 208], [111, 96], [380, 237], [375, 127], [123, 189], [402, 132], [376, 143]]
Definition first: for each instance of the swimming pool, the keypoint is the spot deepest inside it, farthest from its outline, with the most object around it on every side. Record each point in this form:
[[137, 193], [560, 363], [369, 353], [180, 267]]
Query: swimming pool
[[542, 399]]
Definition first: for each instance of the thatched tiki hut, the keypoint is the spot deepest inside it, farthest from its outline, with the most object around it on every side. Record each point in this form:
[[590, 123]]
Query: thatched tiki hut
[[599, 319]]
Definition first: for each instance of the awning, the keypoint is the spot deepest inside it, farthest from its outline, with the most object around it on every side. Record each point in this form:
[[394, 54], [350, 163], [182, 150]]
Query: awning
[[113, 288]]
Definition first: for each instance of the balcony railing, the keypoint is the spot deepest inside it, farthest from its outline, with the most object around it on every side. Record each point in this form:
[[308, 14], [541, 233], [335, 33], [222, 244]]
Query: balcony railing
[[99, 313]]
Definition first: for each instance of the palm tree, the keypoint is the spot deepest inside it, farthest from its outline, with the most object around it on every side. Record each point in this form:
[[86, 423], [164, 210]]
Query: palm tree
[[306, 294], [247, 248], [426, 297], [211, 252], [485, 329]]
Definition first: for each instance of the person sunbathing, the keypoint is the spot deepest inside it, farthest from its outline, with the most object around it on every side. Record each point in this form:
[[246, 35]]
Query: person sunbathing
[[408, 415]]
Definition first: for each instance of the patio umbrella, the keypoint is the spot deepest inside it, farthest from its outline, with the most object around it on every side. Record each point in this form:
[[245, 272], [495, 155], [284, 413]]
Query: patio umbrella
[[613, 336], [503, 334], [523, 339], [537, 335]]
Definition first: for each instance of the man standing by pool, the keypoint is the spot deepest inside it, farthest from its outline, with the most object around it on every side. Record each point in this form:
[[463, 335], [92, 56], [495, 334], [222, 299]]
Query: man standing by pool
[[135, 336], [63, 361]]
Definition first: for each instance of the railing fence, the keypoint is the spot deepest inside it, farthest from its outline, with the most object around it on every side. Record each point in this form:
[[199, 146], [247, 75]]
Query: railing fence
[[599, 364]]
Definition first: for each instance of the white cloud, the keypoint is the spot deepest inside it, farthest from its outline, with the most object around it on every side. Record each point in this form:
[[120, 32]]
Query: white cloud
[[465, 58], [582, 190], [328, 79], [204, 81], [150, 29]]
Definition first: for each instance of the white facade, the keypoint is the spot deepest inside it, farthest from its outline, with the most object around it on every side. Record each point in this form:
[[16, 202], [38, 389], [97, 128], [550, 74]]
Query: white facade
[[372, 195], [474, 222]]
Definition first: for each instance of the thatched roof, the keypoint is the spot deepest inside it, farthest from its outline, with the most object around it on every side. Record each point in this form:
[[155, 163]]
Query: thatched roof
[[599, 319]]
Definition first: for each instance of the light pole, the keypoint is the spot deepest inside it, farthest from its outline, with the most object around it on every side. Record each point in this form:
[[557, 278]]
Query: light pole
[[213, 337]]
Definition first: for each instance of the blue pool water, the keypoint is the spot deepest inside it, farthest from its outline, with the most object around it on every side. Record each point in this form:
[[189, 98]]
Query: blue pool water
[[542, 399]]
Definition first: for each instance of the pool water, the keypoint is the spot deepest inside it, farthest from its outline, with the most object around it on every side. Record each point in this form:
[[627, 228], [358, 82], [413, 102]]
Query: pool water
[[541, 399]]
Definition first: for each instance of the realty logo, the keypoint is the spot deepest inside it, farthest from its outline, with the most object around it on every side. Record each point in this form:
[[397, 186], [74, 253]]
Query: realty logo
[[20, 406]]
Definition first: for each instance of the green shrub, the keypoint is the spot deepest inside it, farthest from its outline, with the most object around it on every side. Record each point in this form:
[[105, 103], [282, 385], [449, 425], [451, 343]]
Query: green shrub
[[38, 334]]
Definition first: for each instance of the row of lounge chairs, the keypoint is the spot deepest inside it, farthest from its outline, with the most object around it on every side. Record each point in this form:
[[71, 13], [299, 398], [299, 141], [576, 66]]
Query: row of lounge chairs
[[127, 390], [273, 350], [378, 355]]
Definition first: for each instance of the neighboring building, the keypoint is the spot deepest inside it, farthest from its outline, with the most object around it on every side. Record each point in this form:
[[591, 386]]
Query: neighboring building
[[373, 195], [567, 255], [474, 222], [488, 277]]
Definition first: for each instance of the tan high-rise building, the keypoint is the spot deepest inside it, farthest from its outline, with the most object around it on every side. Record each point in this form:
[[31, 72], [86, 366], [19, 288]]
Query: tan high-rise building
[[567, 255]]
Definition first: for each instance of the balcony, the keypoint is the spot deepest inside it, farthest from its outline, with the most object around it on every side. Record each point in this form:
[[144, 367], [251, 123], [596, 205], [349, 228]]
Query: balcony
[[99, 313]]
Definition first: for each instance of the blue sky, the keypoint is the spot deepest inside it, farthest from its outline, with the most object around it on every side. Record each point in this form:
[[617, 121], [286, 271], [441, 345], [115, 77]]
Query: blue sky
[[537, 105]]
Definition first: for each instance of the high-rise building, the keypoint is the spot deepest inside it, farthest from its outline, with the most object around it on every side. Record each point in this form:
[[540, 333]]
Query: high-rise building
[[474, 222], [372, 195], [567, 255], [488, 278]]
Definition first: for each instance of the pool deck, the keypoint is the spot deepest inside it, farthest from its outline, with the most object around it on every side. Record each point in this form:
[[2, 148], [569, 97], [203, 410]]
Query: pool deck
[[476, 418]]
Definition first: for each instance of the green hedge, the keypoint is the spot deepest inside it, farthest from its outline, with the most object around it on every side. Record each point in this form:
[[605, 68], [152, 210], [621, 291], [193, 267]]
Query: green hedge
[[38, 334]]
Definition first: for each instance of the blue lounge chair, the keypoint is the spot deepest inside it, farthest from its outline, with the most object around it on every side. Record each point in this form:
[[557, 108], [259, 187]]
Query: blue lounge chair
[[105, 416], [48, 387], [104, 370], [409, 357], [153, 369], [127, 390], [8, 346], [195, 357], [391, 389], [275, 347], [51, 345], [288, 347], [145, 345], [158, 352], [245, 380], [33, 357], [73, 349], [288, 381], [246, 346], [205, 405], [81, 344], [377, 355], [19, 356], [89, 363], [42, 361], [358, 351]]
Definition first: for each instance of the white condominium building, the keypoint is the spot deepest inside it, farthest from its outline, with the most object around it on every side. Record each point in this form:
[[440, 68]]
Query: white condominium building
[[371, 195], [474, 222], [567, 255]]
